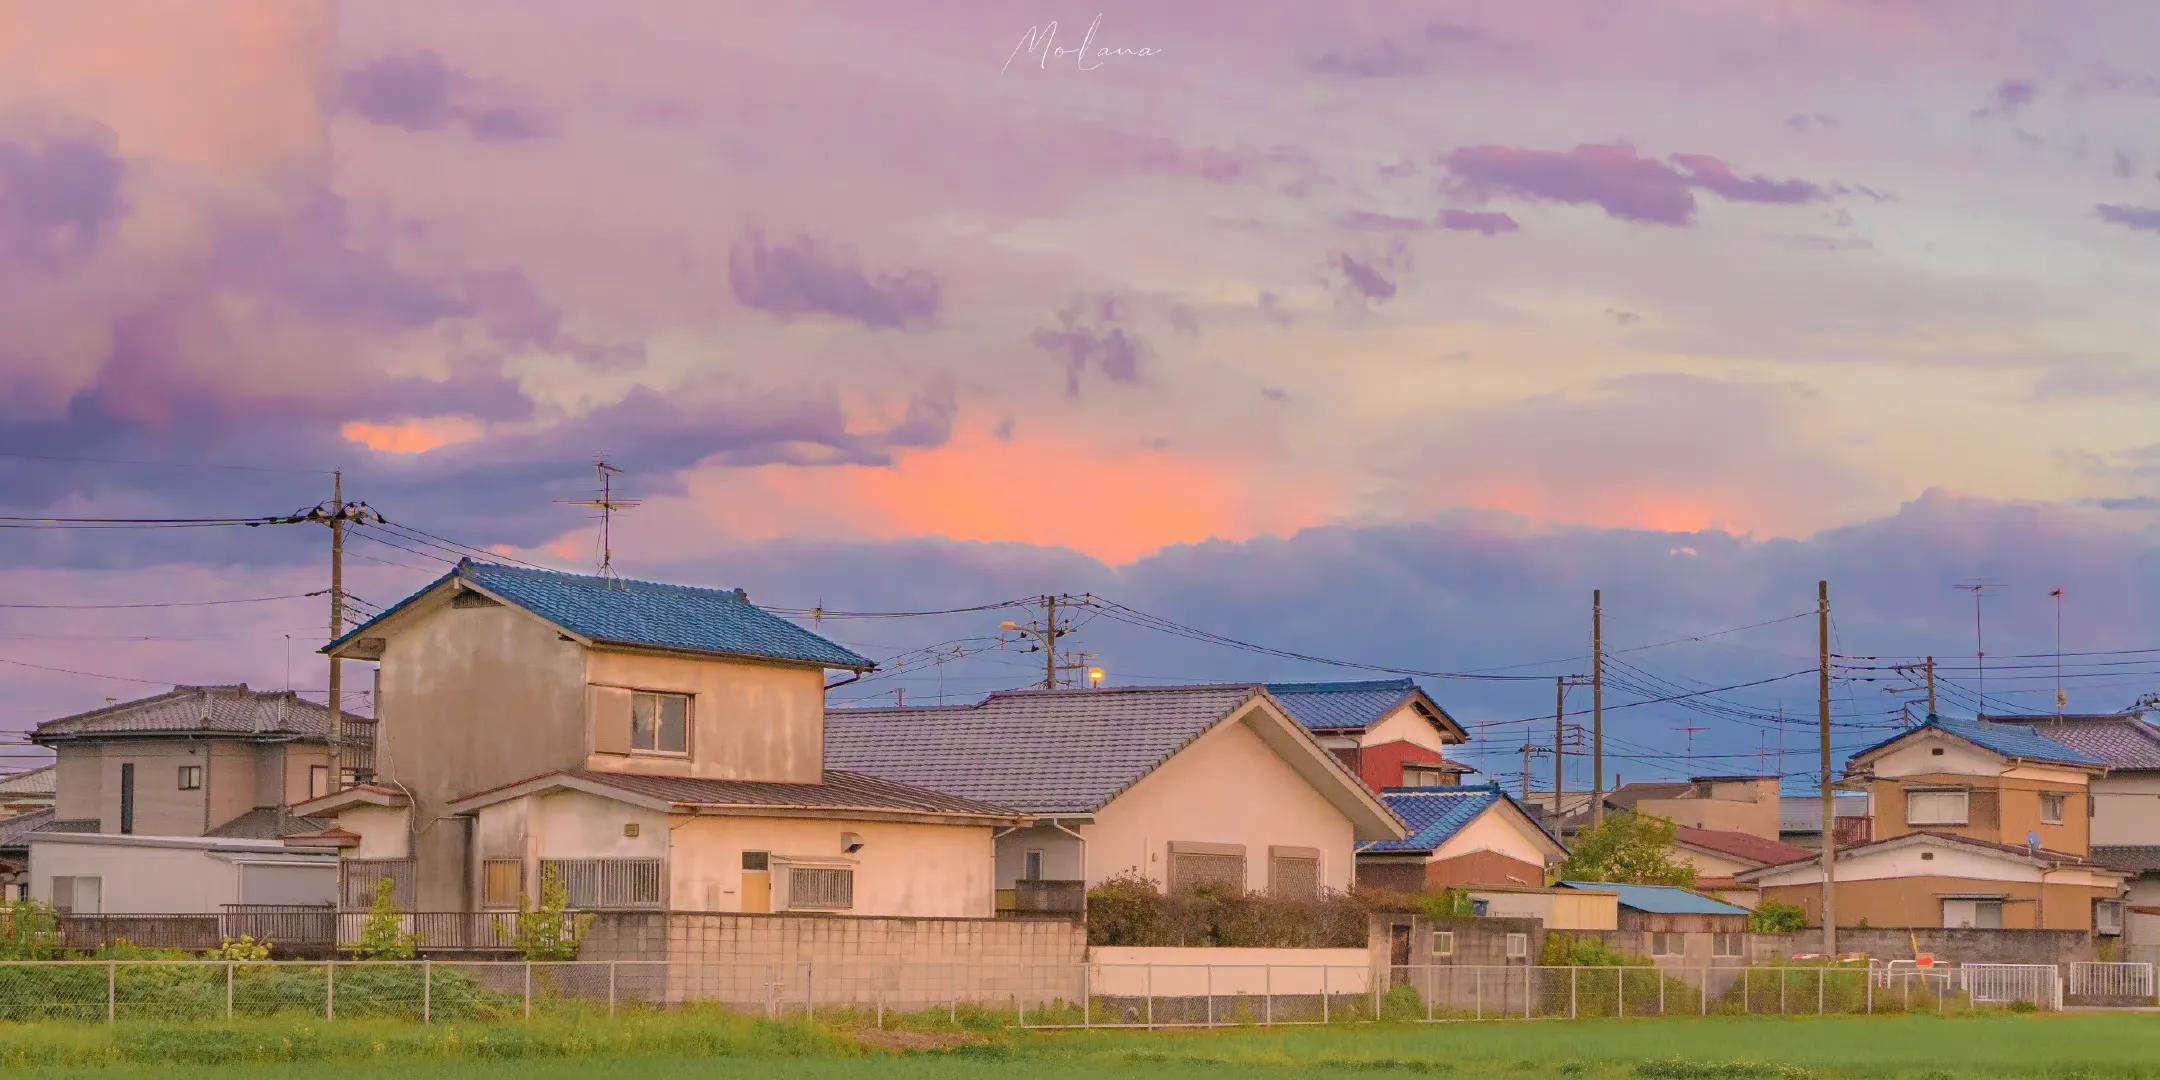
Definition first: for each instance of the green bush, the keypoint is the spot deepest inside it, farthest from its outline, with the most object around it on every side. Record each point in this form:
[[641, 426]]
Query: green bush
[[383, 936], [1130, 910], [1773, 917], [29, 930]]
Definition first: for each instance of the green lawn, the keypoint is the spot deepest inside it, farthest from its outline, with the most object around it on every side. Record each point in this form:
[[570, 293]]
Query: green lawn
[[1906, 1047]]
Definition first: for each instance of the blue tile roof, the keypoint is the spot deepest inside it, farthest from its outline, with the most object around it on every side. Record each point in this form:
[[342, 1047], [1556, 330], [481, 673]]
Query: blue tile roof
[[1659, 899], [1435, 815], [2009, 740], [621, 611], [1336, 706]]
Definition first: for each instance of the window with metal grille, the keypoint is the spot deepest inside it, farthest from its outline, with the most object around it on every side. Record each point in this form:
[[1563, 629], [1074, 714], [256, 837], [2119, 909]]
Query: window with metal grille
[[1667, 945], [1936, 807], [502, 882], [1293, 873], [1443, 943], [1727, 944], [609, 883], [1518, 946], [359, 878], [1196, 866], [822, 888]]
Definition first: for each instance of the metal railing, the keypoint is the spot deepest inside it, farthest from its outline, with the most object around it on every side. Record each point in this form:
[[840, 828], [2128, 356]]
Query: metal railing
[[2114, 981], [1020, 995]]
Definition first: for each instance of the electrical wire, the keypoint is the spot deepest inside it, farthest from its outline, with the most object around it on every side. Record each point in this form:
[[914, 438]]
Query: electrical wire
[[163, 604]]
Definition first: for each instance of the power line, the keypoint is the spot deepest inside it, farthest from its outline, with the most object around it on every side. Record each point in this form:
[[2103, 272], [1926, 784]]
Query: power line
[[159, 464], [163, 604]]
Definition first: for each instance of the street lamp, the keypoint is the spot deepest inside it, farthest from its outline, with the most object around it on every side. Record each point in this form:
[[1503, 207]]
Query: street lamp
[[1095, 678]]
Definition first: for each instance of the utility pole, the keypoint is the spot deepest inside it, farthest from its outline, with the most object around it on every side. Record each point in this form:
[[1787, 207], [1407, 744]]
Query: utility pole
[[1931, 687], [337, 630], [1559, 747], [1527, 749], [1597, 707], [1050, 643], [1829, 803]]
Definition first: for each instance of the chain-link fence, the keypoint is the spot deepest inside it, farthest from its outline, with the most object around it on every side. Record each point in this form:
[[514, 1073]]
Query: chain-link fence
[[999, 994]]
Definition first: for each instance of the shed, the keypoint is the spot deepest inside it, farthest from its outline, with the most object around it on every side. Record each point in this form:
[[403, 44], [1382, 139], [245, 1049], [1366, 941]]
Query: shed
[[110, 874], [1666, 909]]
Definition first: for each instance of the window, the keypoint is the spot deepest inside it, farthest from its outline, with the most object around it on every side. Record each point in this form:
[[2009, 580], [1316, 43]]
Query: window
[[127, 797], [1216, 866], [1034, 865], [2051, 808], [757, 861], [1294, 873], [1518, 946], [2108, 917], [1935, 807], [78, 895], [318, 781], [1423, 776], [1667, 944], [1728, 944], [358, 878], [821, 888], [1443, 943], [608, 883], [502, 882], [660, 723], [1981, 914], [191, 778]]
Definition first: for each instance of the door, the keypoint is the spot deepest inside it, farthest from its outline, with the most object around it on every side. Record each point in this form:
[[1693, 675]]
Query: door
[[127, 797], [757, 882]]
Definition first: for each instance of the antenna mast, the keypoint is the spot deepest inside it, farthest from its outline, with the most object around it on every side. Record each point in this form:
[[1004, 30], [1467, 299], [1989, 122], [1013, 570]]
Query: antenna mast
[[1976, 587], [607, 504]]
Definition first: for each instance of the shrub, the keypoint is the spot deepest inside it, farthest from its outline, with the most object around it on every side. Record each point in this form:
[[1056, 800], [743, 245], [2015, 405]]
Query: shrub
[[383, 936], [29, 931], [1130, 910], [244, 949], [1776, 918], [550, 932]]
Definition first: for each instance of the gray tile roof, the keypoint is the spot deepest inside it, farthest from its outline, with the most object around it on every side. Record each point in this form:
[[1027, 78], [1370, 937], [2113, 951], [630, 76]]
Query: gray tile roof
[[2133, 858], [1037, 751], [15, 831], [38, 781], [842, 790], [270, 823], [198, 710], [1338, 706], [2121, 742]]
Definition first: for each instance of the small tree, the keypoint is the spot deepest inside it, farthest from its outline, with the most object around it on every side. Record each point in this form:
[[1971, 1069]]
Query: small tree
[[383, 936], [1447, 904], [1773, 917], [29, 930], [1628, 849], [550, 932]]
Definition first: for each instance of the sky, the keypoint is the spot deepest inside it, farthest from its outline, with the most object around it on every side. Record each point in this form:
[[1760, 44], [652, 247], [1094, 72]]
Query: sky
[[1368, 332]]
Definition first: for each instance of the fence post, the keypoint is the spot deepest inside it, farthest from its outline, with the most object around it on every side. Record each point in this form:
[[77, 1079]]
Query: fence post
[[1477, 991], [881, 1009], [611, 988], [1147, 986], [1087, 995], [1781, 980], [1820, 975], [1324, 989], [112, 991], [1619, 976], [1703, 988], [1207, 986], [1871, 989], [427, 991], [1267, 995], [228, 990], [1571, 983], [528, 989], [329, 998], [809, 992]]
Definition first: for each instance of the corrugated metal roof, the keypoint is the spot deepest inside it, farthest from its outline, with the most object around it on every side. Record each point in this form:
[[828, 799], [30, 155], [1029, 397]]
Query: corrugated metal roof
[[1037, 751], [624, 611], [1659, 899], [2009, 740], [841, 790], [1338, 706], [207, 710]]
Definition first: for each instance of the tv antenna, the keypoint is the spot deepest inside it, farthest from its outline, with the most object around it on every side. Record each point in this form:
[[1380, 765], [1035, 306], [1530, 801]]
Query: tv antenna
[[1976, 587], [607, 504]]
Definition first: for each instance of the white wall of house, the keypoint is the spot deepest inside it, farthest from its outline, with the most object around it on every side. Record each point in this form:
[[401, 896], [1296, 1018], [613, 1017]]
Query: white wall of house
[[2126, 808], [138, 876], [385, 831], [1405, 724], [902, 869], [1228, 787], [1504, 833], [1949, 860], [1917, 757]]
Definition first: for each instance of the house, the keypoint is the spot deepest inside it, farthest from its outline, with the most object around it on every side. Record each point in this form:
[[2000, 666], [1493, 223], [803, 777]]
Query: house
[[1976, 824], [196, 761], [653, 746], [1460, 836], [108, 874], [1719, 854], [1387, 731], [1744, 804], [2125, 832], [1185, 785], [1675, 925]]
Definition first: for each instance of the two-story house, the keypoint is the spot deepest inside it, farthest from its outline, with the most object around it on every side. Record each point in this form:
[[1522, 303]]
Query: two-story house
[[657, 746], [2125, 825], [1976, 824], [1387, 731], [222, 761]]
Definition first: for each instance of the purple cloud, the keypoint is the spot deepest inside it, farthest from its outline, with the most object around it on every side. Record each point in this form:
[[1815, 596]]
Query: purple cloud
[[420, 91], [2141, 218], [812, 277], [1369, 221], [1483, 222], [1616, 178], [57, 197], [2011, 95], [1089, 335], [1366, 279]]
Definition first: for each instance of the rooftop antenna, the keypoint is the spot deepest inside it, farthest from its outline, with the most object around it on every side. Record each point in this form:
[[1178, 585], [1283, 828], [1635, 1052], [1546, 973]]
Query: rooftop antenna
[[2060, 699], [1976, 587], [607, 504], [1689, 731]]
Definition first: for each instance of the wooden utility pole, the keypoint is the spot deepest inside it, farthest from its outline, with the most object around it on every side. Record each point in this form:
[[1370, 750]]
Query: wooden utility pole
[[337, 629], [1931, 687], [1597, 707], [1559, 747], [1050, 636], [1829, 800], [1526, 751]]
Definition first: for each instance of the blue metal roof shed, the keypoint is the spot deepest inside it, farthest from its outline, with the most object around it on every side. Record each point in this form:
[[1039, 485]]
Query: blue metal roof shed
[[1659, 899]]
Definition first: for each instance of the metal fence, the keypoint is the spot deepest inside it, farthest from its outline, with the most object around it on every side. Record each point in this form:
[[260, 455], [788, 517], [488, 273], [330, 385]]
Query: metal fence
[[2113, 981], [1043, 996]]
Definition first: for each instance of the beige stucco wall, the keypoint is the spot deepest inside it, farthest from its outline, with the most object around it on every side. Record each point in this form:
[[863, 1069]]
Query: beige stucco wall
[[1710, 864], [2126, 808], [902, 869], [2017, 807], [161, 808], [1566, 909], [748, 721], [78, 783], [229, 781], [1404, 725], [238, 776], [1498, 831], [473, 698], [1228, 787], [1748, 806], [385, 831]]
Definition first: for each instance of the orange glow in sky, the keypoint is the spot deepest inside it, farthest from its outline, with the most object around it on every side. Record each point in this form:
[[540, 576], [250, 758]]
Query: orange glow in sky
[[411, 436]]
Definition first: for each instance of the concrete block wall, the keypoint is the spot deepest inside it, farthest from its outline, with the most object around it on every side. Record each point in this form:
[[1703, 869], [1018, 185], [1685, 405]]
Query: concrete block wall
[[1964, 946]]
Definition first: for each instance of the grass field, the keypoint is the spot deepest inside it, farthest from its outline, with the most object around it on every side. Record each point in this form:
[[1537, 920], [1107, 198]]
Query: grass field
[[668, 1048]]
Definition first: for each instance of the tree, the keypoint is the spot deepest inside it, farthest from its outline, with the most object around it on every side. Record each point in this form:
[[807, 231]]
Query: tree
[[383, 936], [1628, 849], [551, 932], [1772, 917]]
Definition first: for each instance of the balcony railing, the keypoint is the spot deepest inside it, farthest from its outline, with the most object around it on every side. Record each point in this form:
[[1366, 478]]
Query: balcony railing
[[1048, 898], [1854, 830]]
